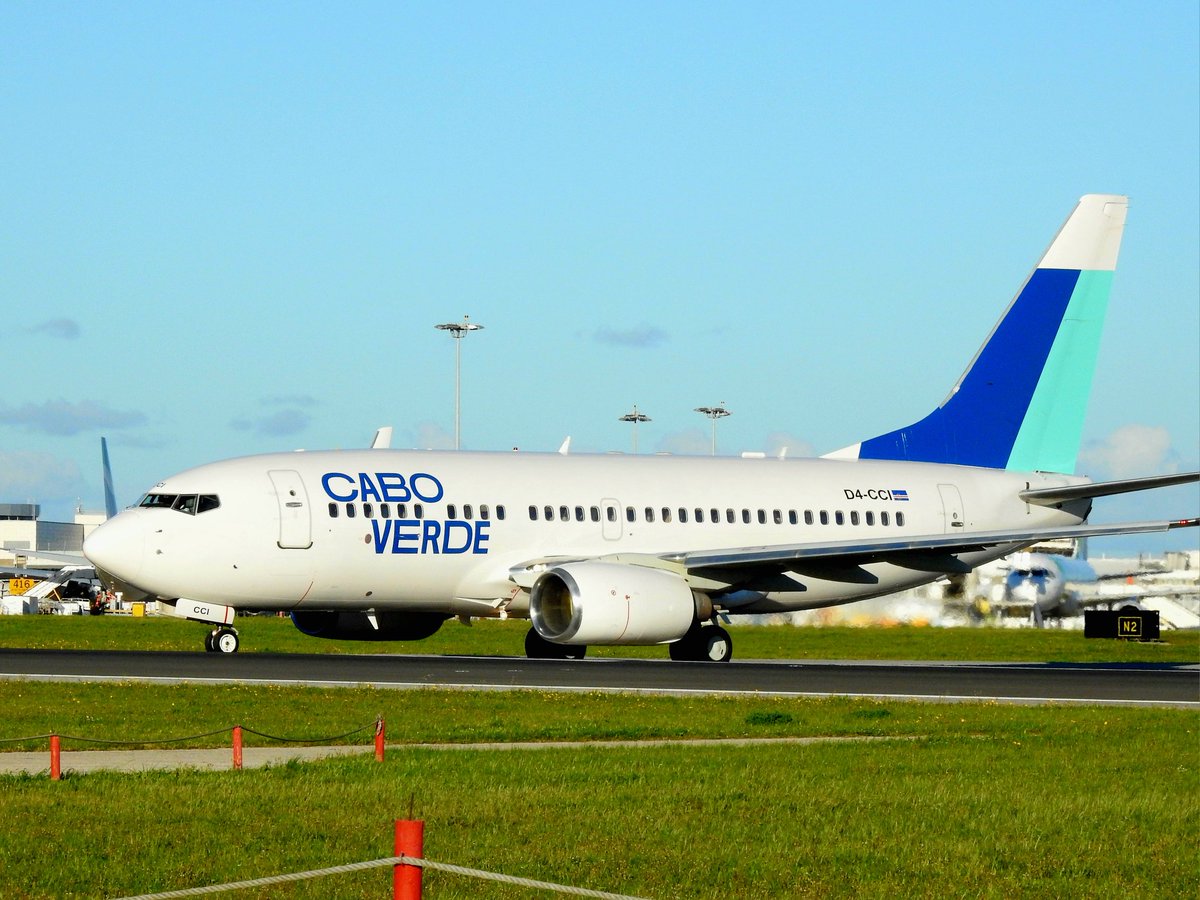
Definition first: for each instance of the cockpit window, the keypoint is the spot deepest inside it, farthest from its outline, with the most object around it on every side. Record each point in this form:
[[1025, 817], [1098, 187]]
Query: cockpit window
[[189, 504]]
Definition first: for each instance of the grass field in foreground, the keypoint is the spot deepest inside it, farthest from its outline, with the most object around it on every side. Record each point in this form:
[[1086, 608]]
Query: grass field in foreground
[[964, 800], [267, 634]]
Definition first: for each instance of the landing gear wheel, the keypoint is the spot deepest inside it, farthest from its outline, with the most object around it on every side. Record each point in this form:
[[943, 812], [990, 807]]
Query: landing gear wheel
[[537, 647], [715, 644], [703, 643], [209, 640], [225, 640]]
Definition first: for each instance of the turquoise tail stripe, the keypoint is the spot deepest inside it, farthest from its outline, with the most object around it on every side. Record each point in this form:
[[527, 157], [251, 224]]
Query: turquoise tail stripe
[[1049, 437]]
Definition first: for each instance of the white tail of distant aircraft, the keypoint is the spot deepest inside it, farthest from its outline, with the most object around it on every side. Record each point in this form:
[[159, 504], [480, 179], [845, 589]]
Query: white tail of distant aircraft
[[385, 544]]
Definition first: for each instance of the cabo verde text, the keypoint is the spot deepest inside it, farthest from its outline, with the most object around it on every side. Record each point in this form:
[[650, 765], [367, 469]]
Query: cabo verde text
[[448, 536]]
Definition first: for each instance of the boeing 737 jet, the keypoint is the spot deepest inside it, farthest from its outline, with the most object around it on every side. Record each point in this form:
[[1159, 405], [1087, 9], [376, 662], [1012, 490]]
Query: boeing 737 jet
[[600, 549]]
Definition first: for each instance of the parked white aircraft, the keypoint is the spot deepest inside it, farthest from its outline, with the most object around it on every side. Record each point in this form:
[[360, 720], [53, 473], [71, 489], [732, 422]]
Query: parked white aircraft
[[384, 544], [1051, 585]]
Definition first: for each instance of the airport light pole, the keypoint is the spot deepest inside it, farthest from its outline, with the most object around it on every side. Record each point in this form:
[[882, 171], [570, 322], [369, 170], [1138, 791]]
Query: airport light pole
[[714, 413], [635, 417], [458, 330]]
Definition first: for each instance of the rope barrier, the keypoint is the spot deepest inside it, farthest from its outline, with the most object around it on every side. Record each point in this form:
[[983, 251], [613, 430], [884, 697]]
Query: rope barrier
[[379, 864], [373, 726]]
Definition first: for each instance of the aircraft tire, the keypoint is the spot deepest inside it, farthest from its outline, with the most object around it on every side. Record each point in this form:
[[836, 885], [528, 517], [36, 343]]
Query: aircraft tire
[[715, 644], [226, 641], [537, 647], [209, 639]]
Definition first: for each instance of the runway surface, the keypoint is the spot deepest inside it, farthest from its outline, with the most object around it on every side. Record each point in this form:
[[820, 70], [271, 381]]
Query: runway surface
[[1124, 684]]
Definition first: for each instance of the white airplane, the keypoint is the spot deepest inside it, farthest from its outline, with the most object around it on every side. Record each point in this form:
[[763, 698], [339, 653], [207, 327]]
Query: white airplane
[[1052, 585], [600, 549]]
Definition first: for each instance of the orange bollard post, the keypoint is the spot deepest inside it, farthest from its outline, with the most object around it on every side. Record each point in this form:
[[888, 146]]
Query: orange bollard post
[[380, 730], [410, 841], [55, 758], [237, 746]]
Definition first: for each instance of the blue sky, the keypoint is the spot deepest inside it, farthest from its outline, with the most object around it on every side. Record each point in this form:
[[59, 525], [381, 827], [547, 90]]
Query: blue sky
[[230, 228]]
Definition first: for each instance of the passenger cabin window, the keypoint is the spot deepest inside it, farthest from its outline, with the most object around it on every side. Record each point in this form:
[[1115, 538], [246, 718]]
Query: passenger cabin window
[[385, 510], [401, 510], [564, 514], [699, 514], [468, 511], [793, 519], [666, 514], [839, 517], [714, 515], [451, 511], [549, 513], [349, 510], [630, 515], [900, 519], [824, 517], [368, 511], [484, 511], [610, 513], [533, 514], [500, 512], [883, 518], [745, 516], [730, 516], [777, 517], [682, 514], [595, 513], [853, 517], [333, 508], [649, 513], [418, 511], [762, 517], [870, 518], [808, 517]]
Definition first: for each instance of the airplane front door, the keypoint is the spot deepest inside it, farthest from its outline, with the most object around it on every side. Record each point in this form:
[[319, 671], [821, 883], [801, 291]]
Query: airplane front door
[[295, 522]]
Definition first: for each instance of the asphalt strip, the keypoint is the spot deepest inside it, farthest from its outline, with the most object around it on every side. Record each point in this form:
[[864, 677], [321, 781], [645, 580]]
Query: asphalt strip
[[221, 759]]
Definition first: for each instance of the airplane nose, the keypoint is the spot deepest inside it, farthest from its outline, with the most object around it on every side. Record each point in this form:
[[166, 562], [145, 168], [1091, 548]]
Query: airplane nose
[[118, 547]]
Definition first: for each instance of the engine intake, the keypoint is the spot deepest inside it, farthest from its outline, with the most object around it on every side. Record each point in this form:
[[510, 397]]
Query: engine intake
[[610, 603]]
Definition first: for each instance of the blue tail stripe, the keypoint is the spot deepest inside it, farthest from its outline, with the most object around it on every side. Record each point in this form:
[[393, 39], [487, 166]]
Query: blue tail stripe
[[979, 423]]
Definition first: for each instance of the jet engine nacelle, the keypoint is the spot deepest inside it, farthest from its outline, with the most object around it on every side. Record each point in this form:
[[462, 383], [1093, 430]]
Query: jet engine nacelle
[[356, 626], [610, 603]]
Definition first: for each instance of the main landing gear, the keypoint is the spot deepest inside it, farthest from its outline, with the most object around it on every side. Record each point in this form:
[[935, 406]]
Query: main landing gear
[[703, 643], [222, 640], [537, 647]]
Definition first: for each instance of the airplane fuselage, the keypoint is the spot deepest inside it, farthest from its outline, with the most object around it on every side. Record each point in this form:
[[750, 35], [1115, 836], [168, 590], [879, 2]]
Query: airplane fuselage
[[453, 532]]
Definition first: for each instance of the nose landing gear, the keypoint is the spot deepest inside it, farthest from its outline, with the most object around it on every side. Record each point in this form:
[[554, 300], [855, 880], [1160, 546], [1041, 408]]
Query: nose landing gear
[[222, 640]]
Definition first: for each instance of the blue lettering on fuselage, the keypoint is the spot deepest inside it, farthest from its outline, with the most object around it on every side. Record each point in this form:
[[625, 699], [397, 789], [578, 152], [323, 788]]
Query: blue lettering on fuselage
[[382, 487], [430, 536]]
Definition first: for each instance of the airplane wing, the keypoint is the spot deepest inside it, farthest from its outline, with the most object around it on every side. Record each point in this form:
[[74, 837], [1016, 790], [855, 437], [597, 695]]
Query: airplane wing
[[924, 548], [1054, 495]]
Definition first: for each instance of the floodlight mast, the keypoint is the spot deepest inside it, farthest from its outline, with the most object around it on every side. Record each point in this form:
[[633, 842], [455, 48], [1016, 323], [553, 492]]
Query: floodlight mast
[[714, 412], [458, 330], [635, 417]]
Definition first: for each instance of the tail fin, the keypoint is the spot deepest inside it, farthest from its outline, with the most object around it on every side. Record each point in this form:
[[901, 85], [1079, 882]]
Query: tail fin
[[1021, 402], [110, 497]]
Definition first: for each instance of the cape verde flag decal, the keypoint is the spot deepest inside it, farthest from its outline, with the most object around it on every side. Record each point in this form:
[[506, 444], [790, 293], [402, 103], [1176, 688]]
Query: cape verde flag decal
[[899, 495]]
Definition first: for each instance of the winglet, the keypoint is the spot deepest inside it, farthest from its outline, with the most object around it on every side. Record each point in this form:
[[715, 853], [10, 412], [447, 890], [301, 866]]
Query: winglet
[[382, 439]]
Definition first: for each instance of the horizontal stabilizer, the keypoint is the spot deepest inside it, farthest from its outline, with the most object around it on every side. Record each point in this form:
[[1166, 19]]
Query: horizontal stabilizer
[[1051, 496]]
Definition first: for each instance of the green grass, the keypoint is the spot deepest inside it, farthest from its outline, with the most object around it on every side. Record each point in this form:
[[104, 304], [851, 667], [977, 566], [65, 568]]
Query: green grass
[[971, 800], [266, 634]]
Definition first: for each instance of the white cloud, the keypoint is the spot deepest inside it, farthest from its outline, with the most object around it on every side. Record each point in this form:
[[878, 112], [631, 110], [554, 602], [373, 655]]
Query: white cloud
[[637, 336], [68, 329], [689, 442], [60, 417], [1130, 451], [30, 476], [795, 446], [283, 423], [431, 436]]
